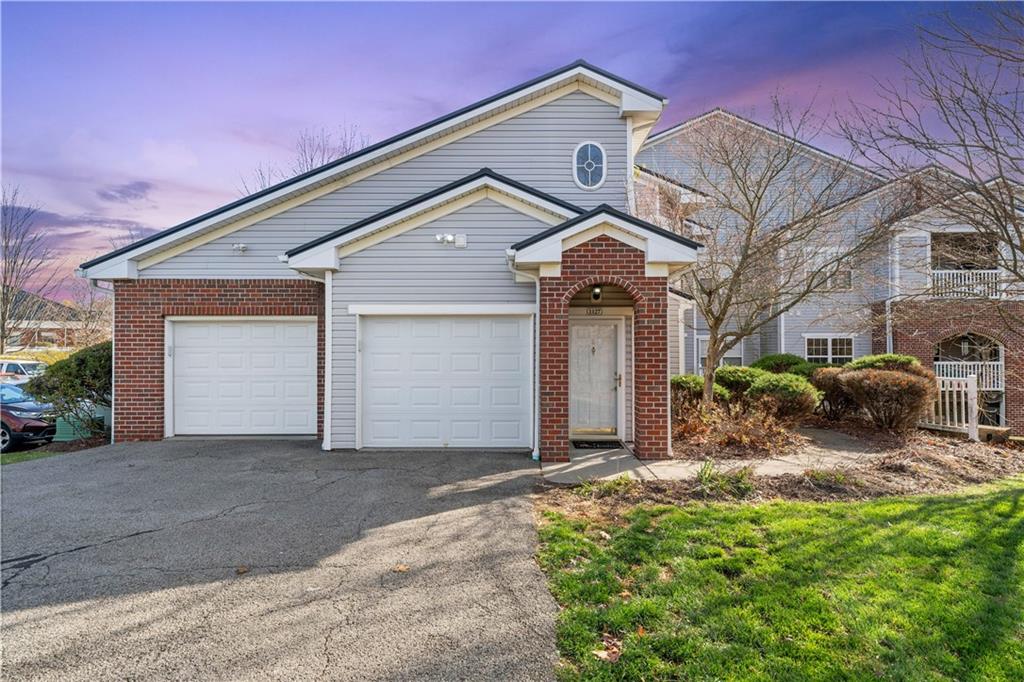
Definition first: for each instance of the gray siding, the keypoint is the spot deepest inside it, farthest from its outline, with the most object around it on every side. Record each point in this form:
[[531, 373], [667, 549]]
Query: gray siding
[[414, 268], [534, 148]]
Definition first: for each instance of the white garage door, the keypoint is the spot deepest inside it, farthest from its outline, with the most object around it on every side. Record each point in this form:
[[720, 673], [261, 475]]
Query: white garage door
[[446, 381], [244, 377]]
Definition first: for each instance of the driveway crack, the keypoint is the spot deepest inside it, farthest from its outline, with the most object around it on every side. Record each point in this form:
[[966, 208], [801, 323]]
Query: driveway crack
[[22, 563]]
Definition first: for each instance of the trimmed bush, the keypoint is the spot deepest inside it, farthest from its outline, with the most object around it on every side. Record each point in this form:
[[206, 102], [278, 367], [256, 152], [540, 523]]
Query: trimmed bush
[[807, 369], [76, 385], [894, 399], [738, 379], [690, 387], [836, 401], [786, 396], [779, 363], [889, 361]]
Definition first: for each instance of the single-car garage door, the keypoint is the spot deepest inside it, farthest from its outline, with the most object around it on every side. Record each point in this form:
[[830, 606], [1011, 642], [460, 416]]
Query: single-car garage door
[[243, 377], [461, 382]]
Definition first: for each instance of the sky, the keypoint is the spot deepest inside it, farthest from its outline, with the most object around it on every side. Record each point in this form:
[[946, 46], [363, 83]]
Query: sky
[[122, 118]]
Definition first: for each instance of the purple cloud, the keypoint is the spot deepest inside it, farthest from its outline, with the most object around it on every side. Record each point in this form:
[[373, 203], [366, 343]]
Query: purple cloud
[[129, 191]]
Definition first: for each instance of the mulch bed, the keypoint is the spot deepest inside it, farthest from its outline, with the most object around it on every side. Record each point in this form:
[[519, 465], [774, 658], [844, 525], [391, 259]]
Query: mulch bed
[[74, 445], [924, 463]]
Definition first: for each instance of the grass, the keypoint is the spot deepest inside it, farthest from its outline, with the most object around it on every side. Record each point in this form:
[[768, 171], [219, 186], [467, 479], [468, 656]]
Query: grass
[[27, 455], [913, 588]]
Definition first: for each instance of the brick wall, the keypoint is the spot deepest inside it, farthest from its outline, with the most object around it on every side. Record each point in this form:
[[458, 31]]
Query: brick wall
[[919, 325], [140, 307], [604, 260]]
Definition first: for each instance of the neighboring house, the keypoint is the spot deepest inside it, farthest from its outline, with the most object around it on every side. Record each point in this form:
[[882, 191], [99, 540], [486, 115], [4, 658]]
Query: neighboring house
[[37, 322], [936, 292], [476, 282], [479, 281]]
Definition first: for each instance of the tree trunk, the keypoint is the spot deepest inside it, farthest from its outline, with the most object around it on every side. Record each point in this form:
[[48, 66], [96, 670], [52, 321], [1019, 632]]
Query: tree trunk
[[710, 365]]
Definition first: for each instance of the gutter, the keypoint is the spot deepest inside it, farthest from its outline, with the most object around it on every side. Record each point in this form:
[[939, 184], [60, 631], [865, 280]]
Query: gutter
[[510, 256]]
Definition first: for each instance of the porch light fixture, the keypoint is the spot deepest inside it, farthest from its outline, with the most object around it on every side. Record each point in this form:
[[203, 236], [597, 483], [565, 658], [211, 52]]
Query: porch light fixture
[[595, 294], [445, 238]]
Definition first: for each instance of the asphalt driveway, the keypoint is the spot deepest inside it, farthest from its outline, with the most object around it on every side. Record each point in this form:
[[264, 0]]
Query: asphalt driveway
[[272, 559]]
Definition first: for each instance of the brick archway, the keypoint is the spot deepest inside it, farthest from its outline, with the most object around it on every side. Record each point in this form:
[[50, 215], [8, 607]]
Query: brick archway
[[604, 260]]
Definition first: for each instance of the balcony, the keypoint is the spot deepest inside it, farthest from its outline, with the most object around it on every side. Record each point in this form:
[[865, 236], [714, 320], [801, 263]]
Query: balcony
[[966, 284], [991, 375]]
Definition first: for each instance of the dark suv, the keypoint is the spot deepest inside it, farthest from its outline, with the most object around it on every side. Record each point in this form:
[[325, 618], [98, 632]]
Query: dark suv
[[25, 422]]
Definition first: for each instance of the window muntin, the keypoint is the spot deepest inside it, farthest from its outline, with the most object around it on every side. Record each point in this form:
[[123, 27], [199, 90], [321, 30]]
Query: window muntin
[[834, 350], [589, 165]]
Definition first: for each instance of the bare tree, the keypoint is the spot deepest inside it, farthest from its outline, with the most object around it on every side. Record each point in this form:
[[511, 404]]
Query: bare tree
[[312, 148], [958, 106], [28, 267], [763, 214], [92, 313]]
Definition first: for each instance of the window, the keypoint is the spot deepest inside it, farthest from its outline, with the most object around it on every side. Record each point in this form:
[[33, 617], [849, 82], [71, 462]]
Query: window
[[733, 356], [589, 165], [835, 350], [837, 274]]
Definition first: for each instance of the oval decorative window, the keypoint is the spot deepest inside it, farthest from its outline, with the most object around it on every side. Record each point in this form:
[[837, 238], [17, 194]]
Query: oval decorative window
[[589, 165]]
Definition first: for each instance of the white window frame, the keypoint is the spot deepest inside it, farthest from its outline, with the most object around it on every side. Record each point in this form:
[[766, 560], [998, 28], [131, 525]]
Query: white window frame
[[699, 367], [604, 174], [830, 338], [829, 253]]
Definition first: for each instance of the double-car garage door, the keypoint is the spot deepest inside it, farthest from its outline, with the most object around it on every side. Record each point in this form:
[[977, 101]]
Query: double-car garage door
[[425, 381], [459, 381]]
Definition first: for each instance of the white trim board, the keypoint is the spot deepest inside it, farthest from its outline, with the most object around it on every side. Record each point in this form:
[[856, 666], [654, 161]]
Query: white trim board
[[479, 309]]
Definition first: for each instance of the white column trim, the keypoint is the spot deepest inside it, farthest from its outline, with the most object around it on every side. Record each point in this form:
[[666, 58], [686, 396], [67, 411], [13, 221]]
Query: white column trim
[[328, 364]]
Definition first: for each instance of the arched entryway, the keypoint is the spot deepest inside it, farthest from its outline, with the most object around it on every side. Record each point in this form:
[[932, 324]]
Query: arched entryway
[[963, 355]]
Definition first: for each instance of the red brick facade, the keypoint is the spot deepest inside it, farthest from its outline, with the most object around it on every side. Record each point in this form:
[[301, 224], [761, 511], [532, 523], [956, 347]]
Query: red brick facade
[[140, 307], [919, 325], [604, 260]]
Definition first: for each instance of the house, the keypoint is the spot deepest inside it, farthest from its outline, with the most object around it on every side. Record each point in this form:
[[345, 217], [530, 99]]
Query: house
[[935, 292], [480, 281], [38, 322], [475, 282]]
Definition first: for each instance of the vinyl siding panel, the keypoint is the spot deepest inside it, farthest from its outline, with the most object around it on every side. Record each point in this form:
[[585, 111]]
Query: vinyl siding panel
[[414, 268], [534, 148]]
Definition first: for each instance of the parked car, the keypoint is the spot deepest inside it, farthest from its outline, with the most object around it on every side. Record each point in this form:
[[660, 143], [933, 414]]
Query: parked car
[[20, 371], [24, 421]]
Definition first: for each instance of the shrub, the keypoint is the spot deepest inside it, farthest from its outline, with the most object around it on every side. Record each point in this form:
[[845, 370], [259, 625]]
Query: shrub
[[785, 396], [893, 399], [836, 401], [779, 363], [688, 389], [889, 361], [76, 385], [807, 369], [738, 379]]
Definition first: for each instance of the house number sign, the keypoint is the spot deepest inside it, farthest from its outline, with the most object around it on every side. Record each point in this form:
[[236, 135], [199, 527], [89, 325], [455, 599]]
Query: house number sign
[[595, 310]]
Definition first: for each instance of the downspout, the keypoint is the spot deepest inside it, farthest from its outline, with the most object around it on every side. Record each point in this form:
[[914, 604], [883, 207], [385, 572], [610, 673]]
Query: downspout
[[509, 258]]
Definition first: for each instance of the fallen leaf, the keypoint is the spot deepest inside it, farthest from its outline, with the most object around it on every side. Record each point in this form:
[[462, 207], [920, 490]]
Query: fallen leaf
[[400, 568], [625, 594], [640, 632], [604, 535], [241, 570]]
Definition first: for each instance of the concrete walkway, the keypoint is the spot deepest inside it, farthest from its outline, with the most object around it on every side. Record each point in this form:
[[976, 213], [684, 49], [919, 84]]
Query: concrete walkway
[[826, 450]]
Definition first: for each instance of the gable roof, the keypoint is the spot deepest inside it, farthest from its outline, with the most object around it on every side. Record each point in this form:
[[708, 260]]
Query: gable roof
[[679, 128], [30, 307], [633, 98], [669, 180], [481, 178], [606, 210]]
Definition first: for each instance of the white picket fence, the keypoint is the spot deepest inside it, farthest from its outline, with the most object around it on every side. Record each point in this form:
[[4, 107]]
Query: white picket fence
[[956, 407]]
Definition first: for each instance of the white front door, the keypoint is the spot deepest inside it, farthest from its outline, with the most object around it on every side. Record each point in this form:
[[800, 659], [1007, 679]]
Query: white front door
[[594, 377], [242, 377], [458, 381]]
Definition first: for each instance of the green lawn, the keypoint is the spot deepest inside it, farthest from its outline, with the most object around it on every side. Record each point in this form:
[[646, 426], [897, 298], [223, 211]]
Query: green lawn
[[26, 455], [916, 588]]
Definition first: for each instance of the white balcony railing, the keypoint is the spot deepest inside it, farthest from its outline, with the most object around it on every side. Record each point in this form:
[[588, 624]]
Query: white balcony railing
[[991, 375], [966, 284]]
